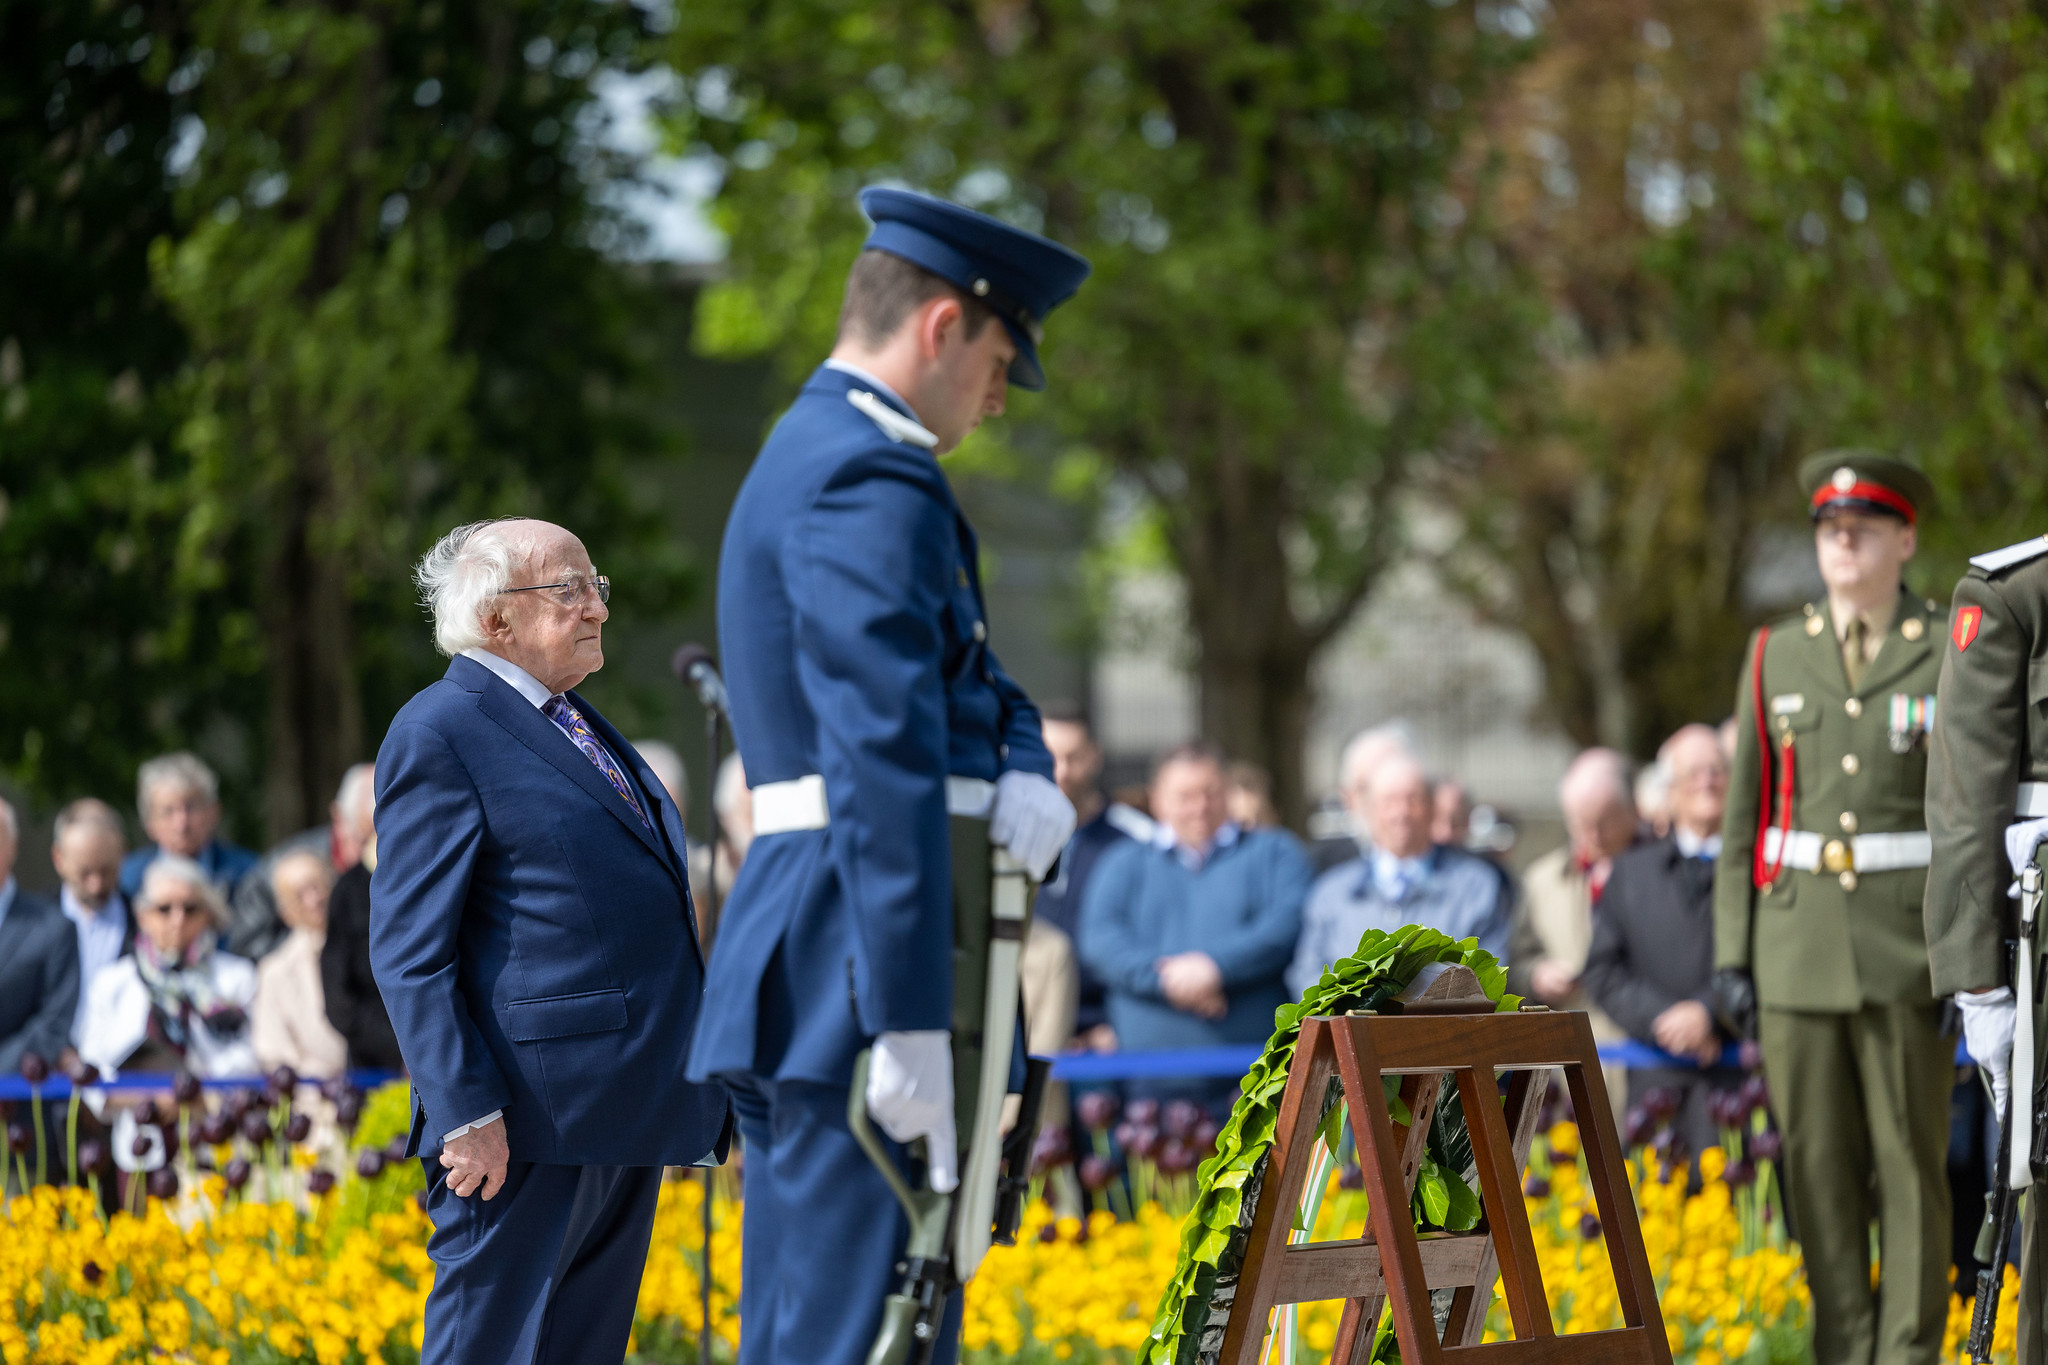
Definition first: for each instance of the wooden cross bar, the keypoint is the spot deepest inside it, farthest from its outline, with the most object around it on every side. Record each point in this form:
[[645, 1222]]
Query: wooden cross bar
[[1445, 1030]]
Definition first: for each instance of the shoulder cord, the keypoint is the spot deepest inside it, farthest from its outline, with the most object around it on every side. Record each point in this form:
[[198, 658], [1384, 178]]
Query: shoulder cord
[[1763, 872]]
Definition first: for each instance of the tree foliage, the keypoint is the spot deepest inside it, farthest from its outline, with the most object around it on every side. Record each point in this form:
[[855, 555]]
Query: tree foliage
[[1290, 299]]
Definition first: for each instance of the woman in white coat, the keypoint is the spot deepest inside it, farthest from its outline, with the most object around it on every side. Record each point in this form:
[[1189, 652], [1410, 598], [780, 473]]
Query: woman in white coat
[[177, 1003]]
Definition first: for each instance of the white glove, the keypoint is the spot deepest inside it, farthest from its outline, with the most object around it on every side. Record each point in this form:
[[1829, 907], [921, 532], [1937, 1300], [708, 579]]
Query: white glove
[[910, 1094], [1033, 819], [1987, 1032], [2020, 842]]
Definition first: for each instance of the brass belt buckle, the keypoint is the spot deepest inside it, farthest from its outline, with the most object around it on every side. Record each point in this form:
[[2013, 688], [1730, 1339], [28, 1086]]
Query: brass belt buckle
[[1837, 856]]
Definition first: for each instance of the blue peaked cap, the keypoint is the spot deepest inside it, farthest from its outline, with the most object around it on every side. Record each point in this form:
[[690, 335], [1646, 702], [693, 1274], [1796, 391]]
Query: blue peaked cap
[[1020, 275]]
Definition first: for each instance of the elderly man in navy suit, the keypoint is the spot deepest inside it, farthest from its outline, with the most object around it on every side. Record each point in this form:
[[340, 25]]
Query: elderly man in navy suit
[[871, 713], [532, 933]]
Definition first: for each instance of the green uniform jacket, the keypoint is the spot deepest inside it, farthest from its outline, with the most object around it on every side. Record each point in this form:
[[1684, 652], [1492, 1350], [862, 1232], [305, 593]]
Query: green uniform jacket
[[1990, 735], [1823, 940]]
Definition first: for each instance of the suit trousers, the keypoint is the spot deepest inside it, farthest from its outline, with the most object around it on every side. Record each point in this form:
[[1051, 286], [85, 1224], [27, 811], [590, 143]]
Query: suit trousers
[[823, 1232], [546, 1272], [1863, 1098]]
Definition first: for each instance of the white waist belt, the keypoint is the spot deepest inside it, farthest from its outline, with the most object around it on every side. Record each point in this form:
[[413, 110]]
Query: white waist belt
[[799, 804], [1806, 850], [2033, 803]]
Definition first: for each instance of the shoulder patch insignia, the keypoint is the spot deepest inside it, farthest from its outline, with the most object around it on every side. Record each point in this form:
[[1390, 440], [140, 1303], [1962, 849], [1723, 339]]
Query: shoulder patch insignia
[[1968, 619], [2011, 555]]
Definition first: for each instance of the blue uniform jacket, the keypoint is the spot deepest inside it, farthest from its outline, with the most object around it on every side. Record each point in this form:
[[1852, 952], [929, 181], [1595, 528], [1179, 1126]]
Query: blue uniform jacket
[[534, 941], [855, 646]]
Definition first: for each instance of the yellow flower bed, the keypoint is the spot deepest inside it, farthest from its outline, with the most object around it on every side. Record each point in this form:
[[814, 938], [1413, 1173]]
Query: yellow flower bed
[[340, 1279]]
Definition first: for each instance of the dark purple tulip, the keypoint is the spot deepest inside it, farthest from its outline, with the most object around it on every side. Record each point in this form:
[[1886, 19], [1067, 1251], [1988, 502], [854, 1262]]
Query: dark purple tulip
[[1206, 1133], [1717, 1108], [370, 1164], [1768, 1145], [1145, 1142], [1750, 1055], [298, 1128], [1126, 1133], [394, 1150], [1536, 1187], [146, 1114], [236, 1173], [285, 1079], [1661, 1102], [142, 1146], [319, 1182], [92, 1273], [34, 1069], [1352, 1177], [92, 1156], [1179, 1117], [214, 1129], [1097, 1110], [20, 1138], [1175, 1158], [268, 1096], [188, 1091], [1589, 1227], [331, 1088], [226, 1021], [349, 1108], [1755, 1093], [1143, 1112], [1049, 1233], [255, 1128], [81, 1071], [1739, 1174], [1095, 1172], [163, 1183], [1636, 1126], [1052, 1149], [237, 1104]]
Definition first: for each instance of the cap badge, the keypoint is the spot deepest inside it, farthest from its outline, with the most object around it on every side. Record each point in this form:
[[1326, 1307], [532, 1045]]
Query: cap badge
[[1844, 479], [980, 288]]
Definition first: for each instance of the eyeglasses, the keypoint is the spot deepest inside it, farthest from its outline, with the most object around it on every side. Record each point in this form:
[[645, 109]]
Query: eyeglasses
[[196, 909], [571, 589]]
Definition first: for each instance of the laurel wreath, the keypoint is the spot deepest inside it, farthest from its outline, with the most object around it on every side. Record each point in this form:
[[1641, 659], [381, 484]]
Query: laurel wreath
[[1188, 1329]]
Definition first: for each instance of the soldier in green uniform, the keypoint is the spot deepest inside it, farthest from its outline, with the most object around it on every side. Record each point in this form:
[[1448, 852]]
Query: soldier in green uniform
[[1987, 796], [1817, 930]]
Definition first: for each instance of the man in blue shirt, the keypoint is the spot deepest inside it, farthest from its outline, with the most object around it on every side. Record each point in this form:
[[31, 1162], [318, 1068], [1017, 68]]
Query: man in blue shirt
[[1402, 877], [1190, 932]]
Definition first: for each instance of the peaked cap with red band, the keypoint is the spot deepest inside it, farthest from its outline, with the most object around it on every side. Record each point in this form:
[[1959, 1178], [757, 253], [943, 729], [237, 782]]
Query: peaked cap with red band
[[1864, 481]]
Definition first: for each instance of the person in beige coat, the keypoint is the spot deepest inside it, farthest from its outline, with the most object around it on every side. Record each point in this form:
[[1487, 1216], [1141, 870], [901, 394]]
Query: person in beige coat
[[288, 1022]]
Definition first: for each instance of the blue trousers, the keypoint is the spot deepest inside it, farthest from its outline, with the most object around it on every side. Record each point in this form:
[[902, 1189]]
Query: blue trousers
[[823, 1232], [547, 1271]]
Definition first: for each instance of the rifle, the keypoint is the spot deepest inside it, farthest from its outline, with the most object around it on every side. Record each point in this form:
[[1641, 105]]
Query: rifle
[[2015, 1166], [950, 1233]]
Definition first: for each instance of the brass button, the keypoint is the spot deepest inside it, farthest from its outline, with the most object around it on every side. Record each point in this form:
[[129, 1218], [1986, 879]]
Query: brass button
[[1835, 857], [1769, 887], [1912, 627], [1814, 625], [1854, 706], [1848, 880], [1784, 722], [1848, 822], [980, 630], [1851, 764]]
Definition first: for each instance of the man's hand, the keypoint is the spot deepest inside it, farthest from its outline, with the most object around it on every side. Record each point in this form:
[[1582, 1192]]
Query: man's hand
[[1194, 983], [910, 1094], [1988, 1019], [1033, 819], [1101, 1038], [477, 1159], [1686, 1029], [1552, 982]]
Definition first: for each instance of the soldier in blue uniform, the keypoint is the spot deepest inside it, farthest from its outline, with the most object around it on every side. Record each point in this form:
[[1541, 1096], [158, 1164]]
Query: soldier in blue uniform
[[869, 710]]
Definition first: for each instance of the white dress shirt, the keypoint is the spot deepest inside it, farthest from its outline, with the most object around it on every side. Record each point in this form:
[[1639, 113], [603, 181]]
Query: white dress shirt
[[100, 935]]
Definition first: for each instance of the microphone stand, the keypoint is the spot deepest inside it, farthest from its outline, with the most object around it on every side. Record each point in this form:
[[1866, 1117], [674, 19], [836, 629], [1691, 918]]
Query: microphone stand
[[695, 669]]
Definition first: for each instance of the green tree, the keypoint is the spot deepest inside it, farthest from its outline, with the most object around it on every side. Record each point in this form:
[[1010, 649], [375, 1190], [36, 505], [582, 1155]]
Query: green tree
[[1292, 294], [1900, 171]]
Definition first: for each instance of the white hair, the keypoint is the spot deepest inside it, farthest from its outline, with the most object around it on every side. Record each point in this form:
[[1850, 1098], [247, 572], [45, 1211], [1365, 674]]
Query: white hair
[[358, 786], [182, 769], [1394, 769], [10, 824], [1597, 776], [169, 868], [1369, 748], [466, 570], [87, 812]]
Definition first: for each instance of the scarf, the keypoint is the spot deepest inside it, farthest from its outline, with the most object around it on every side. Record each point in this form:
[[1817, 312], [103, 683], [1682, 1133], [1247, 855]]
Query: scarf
[[182, 995]]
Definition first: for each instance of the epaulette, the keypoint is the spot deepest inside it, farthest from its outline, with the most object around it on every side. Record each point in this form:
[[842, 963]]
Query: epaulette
[[1998, 560]]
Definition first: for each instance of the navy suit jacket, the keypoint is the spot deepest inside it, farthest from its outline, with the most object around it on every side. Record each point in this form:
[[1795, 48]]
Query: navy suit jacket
[[533, 940], [855, 644]]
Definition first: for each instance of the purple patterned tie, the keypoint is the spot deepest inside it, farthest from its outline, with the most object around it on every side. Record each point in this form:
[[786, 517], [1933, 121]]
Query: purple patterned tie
[[573, 725]]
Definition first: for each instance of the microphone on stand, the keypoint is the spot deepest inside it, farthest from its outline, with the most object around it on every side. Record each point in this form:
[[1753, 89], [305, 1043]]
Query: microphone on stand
[[695, 668]]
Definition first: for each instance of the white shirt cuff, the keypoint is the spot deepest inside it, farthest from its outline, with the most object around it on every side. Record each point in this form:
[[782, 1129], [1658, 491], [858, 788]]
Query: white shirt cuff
[[491, 1117]]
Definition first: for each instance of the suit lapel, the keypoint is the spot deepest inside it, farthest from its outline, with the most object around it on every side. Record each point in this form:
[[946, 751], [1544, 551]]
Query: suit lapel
[[524, 722], [659, 806]]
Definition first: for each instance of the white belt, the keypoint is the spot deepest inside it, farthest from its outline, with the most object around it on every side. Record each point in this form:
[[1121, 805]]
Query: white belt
[[798, 804], [1808, 851], [2033, 803]]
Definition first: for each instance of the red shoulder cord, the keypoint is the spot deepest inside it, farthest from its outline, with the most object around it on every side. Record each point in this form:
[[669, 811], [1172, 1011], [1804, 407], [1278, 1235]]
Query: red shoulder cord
[[1763, 873]]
